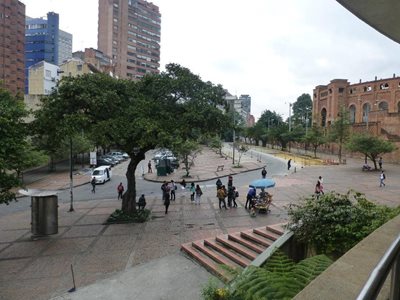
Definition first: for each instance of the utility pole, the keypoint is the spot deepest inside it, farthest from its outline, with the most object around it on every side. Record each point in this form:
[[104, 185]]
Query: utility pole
[[71, 183], [290, 117], [234, 137]]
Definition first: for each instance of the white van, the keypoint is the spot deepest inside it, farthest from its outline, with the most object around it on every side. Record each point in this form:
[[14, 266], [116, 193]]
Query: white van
[[102, 174]]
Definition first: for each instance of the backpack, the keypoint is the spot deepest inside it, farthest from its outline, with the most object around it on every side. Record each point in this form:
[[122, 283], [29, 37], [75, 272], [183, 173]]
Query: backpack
[[384, 176], [236, 194], [120, 188]]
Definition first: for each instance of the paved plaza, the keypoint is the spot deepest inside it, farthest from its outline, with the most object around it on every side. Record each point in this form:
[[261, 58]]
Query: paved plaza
[[126, 261]]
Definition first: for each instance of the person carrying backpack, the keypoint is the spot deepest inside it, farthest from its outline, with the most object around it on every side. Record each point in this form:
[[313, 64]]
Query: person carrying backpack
[[120, 189]]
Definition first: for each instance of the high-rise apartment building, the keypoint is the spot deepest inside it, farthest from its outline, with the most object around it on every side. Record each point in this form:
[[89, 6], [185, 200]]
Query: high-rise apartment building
[[12, 40], [41, 42], [64, 46], [129, 32]]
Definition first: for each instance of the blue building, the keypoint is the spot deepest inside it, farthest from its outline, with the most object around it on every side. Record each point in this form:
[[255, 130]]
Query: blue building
[[41, 42]]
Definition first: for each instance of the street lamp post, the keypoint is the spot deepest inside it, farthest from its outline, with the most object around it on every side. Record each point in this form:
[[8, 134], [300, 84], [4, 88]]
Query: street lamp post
[[290, 117], [71, 182]]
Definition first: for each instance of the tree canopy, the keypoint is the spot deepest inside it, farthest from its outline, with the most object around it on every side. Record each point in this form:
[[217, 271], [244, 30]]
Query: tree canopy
[[16, 154], [370, 146], [133, 116]]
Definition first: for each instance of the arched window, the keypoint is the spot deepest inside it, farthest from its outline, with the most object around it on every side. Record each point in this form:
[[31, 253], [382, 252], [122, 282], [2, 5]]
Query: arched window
[[323, 117], [366, 110], [383, 105], [352, 114]]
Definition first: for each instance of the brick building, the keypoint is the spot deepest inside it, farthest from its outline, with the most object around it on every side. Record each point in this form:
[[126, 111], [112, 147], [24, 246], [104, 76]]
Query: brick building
[[12, 43], [374, 107], [129, 32]]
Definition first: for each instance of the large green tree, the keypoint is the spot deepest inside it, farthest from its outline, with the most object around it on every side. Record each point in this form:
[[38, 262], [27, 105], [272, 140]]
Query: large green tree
[[133, 116], [16, 153], [315, 137], [302, 111], [340, 130], [370, 146]]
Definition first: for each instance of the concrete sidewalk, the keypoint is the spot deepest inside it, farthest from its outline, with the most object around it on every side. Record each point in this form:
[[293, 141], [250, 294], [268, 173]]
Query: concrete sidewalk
[[121, 261]]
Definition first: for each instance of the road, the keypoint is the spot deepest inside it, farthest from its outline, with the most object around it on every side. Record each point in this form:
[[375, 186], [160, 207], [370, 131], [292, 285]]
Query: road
[[275, 167]]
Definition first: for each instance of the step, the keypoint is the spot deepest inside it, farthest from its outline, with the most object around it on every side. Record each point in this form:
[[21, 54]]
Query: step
[[250, 235], [249, 244], [277, 228], [266, 233], [243, 262], [207, 262], [242, 250], [199, 245]]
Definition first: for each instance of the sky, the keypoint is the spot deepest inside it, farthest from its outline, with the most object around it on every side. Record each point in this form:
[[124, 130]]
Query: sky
[[272, 50]]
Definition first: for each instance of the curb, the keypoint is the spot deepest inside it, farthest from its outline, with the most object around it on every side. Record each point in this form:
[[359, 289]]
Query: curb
[[206, 179]]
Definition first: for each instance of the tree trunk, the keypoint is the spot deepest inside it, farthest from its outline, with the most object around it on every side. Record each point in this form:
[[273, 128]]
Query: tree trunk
[[129, 197]]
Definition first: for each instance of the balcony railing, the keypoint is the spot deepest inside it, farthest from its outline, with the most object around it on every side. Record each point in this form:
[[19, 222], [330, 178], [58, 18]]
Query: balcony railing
[[389, 262]]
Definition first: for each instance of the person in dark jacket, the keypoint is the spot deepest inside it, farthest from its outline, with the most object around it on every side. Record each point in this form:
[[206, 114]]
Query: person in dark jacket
[[142, 202]]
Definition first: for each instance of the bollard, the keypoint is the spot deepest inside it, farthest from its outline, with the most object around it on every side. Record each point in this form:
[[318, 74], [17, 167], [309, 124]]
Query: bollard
[[295, 169]]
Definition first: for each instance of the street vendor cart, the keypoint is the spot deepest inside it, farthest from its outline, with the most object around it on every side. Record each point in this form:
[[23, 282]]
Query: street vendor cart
[[262, 201]]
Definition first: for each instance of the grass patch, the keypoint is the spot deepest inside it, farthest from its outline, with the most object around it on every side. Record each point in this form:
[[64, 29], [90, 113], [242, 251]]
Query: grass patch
[[118, 217]]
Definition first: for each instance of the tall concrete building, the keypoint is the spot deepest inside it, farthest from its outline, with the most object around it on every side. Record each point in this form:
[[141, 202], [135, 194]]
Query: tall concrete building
[[41, 42], [64, 46], [129, 32], [12, 43]]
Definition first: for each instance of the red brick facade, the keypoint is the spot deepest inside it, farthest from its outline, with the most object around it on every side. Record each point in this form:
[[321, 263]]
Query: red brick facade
[[12, 46], [373, 106]]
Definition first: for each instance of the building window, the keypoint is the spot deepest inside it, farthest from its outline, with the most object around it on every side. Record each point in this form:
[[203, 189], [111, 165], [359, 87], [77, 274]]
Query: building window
[[341, 90], [383, 105], [352, 114], [48, 73], [366, 110], [323, 117], [384, 86], [79, 67], [367, 88]]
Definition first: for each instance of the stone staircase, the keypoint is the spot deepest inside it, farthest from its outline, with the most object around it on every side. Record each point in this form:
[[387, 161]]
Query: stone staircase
[[235, 250]]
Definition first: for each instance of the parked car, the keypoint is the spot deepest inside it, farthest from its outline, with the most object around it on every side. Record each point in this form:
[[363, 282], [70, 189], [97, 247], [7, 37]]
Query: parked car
[[104, 162], [102, 174], [112, 158], [124, 155]]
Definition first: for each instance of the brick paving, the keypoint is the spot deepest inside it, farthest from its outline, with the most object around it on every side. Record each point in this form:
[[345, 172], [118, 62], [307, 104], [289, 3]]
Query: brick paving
[[40, 269]]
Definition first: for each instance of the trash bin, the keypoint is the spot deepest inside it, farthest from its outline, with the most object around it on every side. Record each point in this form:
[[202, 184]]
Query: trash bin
[[44, 211], [162, 167]]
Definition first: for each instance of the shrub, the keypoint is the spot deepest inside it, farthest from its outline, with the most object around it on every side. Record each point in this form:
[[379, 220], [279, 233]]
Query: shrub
[[334, 223], [118, 216]]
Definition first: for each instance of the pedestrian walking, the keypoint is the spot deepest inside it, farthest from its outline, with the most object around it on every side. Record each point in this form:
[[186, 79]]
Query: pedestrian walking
[[317, 190], [172, 189], [221, 197], [93, 183], [251, 193], [218, 183], [380, 161], [166, 195], [230, 181], [382, 178], [183, 184], [289, 164], [120, 189], [142, 202], [263, 172], [235, 195], [150, 170], [192, 191], [198, 192], [231, 195], [321, 186]]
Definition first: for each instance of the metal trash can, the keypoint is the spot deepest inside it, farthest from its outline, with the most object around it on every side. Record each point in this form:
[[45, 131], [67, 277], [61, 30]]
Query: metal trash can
[[44, 211], [162, 167]]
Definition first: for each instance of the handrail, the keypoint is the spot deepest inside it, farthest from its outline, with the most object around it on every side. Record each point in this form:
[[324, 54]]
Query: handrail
[[389, 261]]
